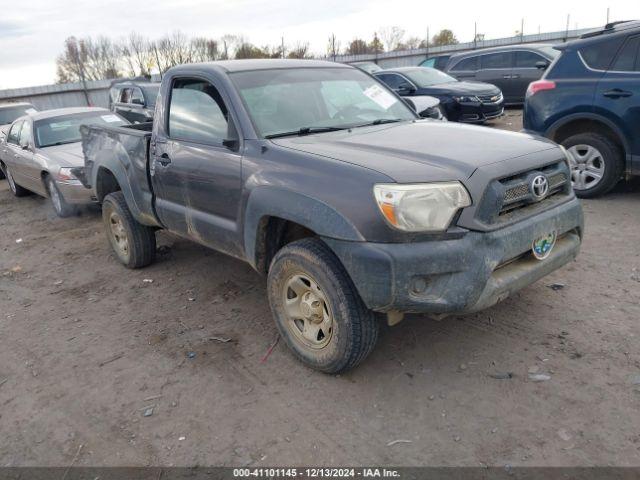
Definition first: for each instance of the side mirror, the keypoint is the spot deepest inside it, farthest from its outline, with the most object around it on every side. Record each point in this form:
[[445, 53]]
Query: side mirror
[[405, 89], [542, 65], [25, 146], [231, 143]]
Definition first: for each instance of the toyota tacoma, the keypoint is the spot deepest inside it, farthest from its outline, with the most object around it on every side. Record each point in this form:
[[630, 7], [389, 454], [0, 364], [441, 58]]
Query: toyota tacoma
[[324, 180]]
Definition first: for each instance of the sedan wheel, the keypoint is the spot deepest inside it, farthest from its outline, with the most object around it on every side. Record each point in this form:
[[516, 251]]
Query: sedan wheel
[[587, 166], [16, 189]]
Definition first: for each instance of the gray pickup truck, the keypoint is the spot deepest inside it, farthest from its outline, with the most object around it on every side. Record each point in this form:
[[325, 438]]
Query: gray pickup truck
[[328, 183]]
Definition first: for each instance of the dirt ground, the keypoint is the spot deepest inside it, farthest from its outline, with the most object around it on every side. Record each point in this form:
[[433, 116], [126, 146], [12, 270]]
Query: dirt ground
[[87, 348]]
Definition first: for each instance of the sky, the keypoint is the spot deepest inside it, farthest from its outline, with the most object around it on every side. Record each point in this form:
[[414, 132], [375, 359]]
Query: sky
[[32, 35]]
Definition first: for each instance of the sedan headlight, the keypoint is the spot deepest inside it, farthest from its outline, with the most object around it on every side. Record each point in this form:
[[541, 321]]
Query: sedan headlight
[[426, 207], [66, 174], [467, 99]]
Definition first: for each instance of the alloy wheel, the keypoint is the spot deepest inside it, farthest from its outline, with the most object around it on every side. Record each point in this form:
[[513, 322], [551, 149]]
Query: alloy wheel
[[587, 166]]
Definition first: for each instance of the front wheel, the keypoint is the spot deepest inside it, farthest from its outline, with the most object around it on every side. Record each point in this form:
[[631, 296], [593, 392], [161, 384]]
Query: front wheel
[[317, 309], [596, 163], [133, 243], [60, 205]]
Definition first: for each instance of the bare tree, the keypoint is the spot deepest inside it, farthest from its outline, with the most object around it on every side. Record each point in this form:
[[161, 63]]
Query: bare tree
[[333, 48], [229, 44], [444, 37], [392, 37], [301, 50], [204, 49], [357, 46]]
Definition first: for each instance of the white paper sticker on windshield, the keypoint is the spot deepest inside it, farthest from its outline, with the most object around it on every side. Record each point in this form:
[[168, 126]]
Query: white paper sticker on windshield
[[110, 118], [380, 96], [30, 111]]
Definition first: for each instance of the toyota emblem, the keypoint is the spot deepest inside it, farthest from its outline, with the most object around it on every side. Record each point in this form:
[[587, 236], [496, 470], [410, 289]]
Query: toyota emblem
[[540, 187]]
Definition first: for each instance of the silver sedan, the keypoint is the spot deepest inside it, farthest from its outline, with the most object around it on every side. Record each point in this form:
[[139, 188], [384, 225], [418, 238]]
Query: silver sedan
[[41, 151]]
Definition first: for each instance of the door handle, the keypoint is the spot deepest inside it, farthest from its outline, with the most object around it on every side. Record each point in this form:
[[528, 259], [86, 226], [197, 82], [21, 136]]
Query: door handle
[[506, 76], [515, 76], [164, 160], [617, 93]]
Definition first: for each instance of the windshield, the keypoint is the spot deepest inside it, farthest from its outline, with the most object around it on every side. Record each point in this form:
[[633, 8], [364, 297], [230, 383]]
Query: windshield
[[550, 51], [290, 100], [8, 115], [427, 77], [66, 128]]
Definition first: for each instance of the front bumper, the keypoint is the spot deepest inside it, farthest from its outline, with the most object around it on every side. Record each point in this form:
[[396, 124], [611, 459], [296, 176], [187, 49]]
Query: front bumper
[[462, 275], [474, 112], [75, 193]]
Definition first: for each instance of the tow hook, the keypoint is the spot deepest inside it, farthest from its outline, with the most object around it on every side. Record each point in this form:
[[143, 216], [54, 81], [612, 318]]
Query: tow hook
[[394, 317]]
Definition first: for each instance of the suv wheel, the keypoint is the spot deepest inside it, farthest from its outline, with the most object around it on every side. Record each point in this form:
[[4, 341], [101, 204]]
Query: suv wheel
[[133, 243], [317, 309], [596, 163]]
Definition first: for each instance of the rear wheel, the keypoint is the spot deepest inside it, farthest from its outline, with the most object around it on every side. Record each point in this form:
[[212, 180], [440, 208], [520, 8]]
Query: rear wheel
[[317, 309], [133, 243], [60, 205], [16, 189], [596, 163]]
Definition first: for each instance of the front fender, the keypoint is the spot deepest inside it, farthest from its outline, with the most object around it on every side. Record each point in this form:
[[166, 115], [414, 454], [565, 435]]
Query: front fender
[[296, 207]]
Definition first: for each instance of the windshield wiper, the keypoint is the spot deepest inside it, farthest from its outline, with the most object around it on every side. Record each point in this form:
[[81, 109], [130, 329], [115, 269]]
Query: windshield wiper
[[381, 121], [306, 131]]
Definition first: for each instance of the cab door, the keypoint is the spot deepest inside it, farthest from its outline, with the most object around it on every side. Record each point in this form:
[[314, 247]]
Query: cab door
[[527, 68], [496, 68], [617, 94], [10, 154], [196, 170]]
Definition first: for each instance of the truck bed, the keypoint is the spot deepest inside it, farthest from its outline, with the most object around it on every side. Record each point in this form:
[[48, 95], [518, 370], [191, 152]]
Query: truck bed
[[124, 151]]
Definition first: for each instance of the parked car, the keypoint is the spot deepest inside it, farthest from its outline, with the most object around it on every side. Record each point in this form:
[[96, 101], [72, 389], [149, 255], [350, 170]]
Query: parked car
[[8, 113], [470, 102], [438, 62], [427, 107], [42, 149], [134, 101], [589, 101], [327, 182], [369, 67], [511, 68]]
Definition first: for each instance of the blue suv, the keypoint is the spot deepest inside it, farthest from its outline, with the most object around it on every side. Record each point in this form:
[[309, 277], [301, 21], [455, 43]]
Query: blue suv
[[589, 101]]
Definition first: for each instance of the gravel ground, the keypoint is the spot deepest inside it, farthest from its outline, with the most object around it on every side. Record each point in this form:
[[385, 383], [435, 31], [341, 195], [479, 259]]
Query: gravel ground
[[89, 349]]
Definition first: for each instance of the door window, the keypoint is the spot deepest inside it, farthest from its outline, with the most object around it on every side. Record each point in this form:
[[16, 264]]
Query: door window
[[14, 133], [25, 134], [125, 95], [495, 60], [394, 81], [136, 96], [466, 65], [197, 113], [598, 55], [528, 60], [431, 62], [627, 60]]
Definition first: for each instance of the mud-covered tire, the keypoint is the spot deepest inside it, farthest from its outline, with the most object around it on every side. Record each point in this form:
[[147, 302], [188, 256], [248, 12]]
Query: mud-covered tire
[[353, 329], [611, 159], [133, 243], [16, 189], [60, 205]]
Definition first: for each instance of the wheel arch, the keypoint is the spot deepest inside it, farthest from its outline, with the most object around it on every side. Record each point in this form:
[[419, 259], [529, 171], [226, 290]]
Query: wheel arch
[[275, 217], [587, 122]]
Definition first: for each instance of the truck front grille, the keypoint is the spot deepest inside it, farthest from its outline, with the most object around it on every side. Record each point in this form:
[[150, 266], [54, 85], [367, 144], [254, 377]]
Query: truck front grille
[[519, 189]]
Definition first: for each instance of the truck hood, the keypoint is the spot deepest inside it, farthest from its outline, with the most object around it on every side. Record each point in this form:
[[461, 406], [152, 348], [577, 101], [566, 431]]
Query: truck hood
[[420, 151], [68, 155]]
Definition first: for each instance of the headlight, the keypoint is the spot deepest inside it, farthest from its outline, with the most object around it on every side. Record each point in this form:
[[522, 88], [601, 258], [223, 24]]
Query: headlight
[[567, 156], [65, 174], [467, 99], [426, 207]]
